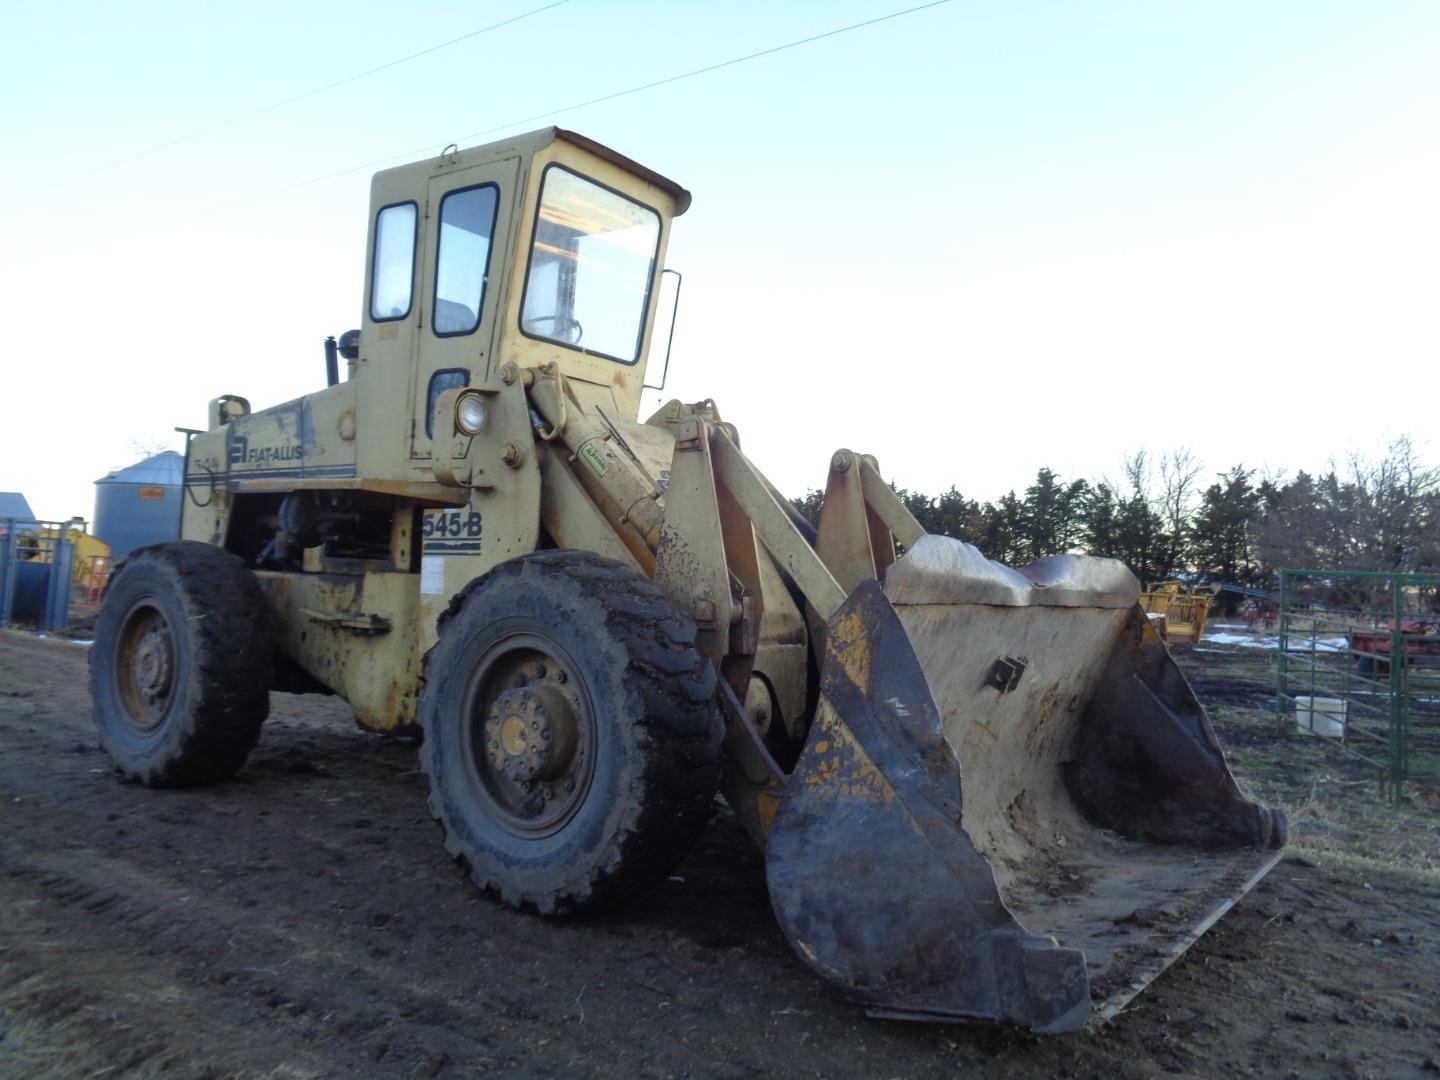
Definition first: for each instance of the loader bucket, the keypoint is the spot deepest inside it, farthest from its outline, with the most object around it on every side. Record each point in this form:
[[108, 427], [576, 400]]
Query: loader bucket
[[1010, 806]]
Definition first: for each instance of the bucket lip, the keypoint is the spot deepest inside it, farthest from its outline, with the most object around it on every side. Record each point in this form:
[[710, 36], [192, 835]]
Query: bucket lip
[[943, 570], [1111, 1006]]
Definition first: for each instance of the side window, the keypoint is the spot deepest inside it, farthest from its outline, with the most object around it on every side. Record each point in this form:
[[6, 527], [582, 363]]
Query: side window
[[442, 380], [462, 258], [393, 283]]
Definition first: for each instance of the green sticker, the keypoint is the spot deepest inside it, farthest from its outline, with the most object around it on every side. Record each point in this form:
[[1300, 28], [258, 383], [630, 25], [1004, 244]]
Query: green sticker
[[598, 465]]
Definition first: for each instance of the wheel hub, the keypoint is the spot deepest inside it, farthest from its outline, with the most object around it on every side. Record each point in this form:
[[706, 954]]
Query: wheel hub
[[150, 665], [531, 734]]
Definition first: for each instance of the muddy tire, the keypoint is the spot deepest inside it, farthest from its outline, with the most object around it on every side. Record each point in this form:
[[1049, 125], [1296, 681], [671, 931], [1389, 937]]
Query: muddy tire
[[181, 666], [572, 740]]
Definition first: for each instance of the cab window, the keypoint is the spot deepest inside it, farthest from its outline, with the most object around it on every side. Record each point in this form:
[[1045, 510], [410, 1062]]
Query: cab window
[[445, 379], [462, 258], [393, 281]]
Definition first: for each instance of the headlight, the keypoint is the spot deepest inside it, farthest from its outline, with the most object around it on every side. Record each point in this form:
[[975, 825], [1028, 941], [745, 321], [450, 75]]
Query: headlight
[[470, 414]]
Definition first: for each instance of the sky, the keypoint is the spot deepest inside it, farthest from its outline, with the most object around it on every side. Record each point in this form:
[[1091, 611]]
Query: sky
[[974, 239]]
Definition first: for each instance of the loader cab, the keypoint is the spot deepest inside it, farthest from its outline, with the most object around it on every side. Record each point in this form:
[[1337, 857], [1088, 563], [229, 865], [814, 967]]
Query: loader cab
[[542, 249]]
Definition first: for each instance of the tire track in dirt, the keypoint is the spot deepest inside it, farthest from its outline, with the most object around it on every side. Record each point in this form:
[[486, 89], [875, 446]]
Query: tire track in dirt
[[95, 1003], [208, 943], [304, 865]]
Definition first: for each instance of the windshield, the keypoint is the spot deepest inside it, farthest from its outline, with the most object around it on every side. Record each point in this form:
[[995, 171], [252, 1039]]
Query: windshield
[[591, 265]]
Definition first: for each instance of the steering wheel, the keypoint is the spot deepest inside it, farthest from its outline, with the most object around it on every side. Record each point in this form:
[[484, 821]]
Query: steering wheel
[[566, 329]]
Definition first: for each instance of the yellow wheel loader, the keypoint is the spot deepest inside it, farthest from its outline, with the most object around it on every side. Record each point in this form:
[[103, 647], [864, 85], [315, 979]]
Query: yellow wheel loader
[[984, 794]]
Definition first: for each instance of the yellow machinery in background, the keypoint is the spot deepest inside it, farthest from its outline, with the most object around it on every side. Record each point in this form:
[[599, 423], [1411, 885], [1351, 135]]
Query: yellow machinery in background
[[1182, 610], [92, 555]]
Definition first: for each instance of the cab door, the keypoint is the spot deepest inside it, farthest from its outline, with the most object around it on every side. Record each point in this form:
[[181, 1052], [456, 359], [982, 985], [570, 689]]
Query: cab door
[[469, 226]]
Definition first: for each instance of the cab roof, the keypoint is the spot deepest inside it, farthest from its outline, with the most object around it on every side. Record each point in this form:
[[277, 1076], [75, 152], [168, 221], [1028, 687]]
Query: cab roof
[[533, 142]]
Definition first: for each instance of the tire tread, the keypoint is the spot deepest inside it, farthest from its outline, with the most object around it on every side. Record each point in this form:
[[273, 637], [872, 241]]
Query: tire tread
[[681, 729], [232, 653]]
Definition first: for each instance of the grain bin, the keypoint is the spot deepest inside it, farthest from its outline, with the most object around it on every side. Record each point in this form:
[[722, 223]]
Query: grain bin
[[140, 505]]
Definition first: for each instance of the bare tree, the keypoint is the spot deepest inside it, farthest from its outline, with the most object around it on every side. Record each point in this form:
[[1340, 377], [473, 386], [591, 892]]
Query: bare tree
[[1392, 497], [151, 445], [1137, 473], [1179, 471]]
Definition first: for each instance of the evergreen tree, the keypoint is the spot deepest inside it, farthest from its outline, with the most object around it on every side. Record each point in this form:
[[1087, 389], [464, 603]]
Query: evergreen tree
[[922, 506], [1002, 530], [809, 505], [957, 516], [1050, 516], [1099, 521], [1292, 529], [1040, 516], [1138, 531], [1222, 528]]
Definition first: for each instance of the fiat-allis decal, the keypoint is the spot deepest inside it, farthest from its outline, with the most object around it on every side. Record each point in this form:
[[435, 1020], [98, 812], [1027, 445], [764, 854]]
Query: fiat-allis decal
[[243, 455]]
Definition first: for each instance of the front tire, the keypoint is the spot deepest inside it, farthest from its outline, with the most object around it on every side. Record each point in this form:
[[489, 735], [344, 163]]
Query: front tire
[[572, 741], [181, 665]]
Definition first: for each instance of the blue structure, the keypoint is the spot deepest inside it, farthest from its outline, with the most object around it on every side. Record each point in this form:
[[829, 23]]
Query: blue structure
[[35, 564], [140, 505], [14, 506]]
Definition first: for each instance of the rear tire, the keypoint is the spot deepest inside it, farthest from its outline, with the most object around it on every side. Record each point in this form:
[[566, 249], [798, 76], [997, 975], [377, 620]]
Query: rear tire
[[181, 665], [572, 740]]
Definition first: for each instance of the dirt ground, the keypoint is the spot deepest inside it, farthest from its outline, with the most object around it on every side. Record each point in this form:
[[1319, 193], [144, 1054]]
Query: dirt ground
[[304, 921]]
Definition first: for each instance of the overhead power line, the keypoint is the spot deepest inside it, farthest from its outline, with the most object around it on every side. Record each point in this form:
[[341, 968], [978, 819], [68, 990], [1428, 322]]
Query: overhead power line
[[199, 132], [653, 84], [668, 80], [704, 70]]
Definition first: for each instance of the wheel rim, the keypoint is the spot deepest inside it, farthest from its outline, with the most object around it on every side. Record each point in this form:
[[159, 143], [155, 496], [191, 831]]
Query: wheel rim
[[530, 735], [145, 665]]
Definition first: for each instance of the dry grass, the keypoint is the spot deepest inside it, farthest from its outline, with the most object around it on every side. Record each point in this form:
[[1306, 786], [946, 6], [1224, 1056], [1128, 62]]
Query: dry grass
[[43, 1040], [1344, 823], [1332, 798], [51, 1028]]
